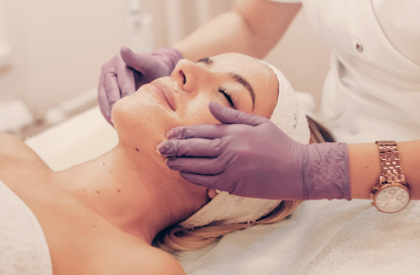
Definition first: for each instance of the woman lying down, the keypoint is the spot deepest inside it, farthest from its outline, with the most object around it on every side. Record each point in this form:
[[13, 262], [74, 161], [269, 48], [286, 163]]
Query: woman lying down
[[109, 215]]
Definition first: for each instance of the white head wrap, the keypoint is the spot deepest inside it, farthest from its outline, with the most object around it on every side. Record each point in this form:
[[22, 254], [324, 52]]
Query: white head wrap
[[230, 209]]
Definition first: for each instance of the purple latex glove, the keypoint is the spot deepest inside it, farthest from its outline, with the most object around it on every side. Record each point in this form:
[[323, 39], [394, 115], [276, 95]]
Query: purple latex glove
[[250, 156], [127, 71]]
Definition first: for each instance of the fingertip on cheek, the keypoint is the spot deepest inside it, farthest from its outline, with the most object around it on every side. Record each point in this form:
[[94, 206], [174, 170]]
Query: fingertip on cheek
[[158, 152], [159, 147], [168, 165], [169, 162], [169, 134], [173, 133]]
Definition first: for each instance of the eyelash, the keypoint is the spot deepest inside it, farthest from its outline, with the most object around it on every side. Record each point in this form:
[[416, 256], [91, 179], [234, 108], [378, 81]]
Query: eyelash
[[227, 95]]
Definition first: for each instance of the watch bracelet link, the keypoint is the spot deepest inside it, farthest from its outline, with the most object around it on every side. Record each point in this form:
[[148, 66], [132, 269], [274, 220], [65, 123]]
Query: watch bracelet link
[[389, 157]]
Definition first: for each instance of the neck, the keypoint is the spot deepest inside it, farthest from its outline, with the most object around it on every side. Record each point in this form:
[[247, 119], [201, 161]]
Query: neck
[[133, 190]]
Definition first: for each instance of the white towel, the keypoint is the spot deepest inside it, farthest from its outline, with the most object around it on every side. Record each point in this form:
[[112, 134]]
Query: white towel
[[373, 244], [282, 248], [23, 247]]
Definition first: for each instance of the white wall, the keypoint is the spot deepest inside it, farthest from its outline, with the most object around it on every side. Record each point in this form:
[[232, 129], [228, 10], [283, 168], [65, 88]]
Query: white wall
[[59, 46], [4, 43], [302, 57]]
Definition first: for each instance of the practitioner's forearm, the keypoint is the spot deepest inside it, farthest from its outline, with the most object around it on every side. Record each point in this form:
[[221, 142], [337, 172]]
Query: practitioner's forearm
[[365, 167], [253, 27], [226, 33]]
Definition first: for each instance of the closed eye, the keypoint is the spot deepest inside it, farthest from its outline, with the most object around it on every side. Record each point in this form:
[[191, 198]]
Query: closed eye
[[228, 97]]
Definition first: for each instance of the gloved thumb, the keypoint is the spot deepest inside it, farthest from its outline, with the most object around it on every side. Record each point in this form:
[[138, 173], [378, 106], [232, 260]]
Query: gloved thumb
[[230, 116], [133, 60]]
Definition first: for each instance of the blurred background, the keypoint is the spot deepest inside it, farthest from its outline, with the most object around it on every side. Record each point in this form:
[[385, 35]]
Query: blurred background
[[51, 51]]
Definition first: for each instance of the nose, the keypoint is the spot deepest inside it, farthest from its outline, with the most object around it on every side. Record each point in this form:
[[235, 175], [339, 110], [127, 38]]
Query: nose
[[188, 74]]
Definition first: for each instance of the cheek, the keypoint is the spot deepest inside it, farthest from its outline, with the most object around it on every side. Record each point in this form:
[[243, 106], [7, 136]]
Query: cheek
[[142, 118], [197, 110]]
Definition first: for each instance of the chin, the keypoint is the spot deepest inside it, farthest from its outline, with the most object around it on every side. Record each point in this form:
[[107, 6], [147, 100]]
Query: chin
[[139, 119]]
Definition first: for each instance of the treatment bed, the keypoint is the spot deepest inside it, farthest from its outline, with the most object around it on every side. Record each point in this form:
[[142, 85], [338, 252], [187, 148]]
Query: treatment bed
[[320, 237]]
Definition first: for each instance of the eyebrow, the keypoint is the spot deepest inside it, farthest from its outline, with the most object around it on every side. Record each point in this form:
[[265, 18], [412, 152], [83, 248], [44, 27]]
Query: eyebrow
[[206, 60], [237, 78]]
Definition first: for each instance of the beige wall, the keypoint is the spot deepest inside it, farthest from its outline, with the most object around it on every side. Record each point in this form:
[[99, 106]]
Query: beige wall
[[302, 57], [59, 45]]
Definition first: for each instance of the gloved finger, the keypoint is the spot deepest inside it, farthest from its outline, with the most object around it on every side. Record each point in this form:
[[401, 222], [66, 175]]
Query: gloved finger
[[208, 131], [195, 147], [231, 116], [112, 89], [209, 181], [103, 103], [203, 166], [130, 58], [142, 62], [146, 64], [103, 106], [126, 80]]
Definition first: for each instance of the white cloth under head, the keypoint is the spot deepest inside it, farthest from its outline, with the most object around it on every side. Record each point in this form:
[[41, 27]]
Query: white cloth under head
[[23, 247], [230, 209]]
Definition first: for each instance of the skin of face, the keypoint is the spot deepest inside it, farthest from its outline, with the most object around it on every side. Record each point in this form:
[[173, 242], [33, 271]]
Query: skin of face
[[142, 119]]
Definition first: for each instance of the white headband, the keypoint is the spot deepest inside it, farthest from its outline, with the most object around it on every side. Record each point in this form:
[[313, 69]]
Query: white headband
[[230, 209]]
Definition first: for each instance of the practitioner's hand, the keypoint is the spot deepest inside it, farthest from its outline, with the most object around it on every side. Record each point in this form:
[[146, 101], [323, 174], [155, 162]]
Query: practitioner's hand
[[127, 71], [250, 156]]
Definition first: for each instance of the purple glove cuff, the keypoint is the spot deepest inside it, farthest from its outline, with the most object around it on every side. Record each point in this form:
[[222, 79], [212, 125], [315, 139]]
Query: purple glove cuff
[[326, 172], [170, 56]]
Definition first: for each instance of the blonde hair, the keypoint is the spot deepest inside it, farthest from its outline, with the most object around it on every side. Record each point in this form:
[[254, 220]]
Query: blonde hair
[[177, 238]]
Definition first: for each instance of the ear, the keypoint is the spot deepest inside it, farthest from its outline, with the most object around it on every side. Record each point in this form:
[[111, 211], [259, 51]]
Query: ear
[[211, 193]]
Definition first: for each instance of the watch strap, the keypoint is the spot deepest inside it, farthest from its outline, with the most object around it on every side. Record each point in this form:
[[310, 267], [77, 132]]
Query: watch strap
[[389, 157]]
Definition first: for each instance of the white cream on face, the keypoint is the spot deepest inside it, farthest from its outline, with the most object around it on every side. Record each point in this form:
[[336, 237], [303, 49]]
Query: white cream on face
[[194, 113], [145, 119], [143, 123]]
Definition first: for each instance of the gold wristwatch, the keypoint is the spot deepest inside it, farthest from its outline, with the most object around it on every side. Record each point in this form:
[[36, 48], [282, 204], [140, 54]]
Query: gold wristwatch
[[392, 193]]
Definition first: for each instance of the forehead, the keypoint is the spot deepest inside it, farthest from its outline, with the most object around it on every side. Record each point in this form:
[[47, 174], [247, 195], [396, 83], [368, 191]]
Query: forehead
[[260, 77]]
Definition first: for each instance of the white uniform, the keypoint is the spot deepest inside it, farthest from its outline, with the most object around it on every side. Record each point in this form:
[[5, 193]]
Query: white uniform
[[372, 90]]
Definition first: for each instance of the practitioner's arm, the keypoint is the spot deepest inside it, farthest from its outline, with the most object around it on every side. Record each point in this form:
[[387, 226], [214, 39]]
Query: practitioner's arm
[[254, 158], [365, 167], [252, 27]]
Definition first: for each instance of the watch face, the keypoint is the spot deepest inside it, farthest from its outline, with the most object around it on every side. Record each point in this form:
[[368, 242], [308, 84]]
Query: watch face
[[392, 199]]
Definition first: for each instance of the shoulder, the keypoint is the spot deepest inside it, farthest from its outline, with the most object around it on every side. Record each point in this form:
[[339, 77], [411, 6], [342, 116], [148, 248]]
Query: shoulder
[[157, 262], [164, 263], [138, 258], [13, 149]]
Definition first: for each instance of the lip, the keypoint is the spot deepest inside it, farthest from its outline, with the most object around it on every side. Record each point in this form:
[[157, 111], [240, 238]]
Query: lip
[[164, 93]]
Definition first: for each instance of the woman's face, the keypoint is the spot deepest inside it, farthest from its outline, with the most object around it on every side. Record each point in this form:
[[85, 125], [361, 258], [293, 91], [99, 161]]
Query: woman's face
[[182, 99]]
